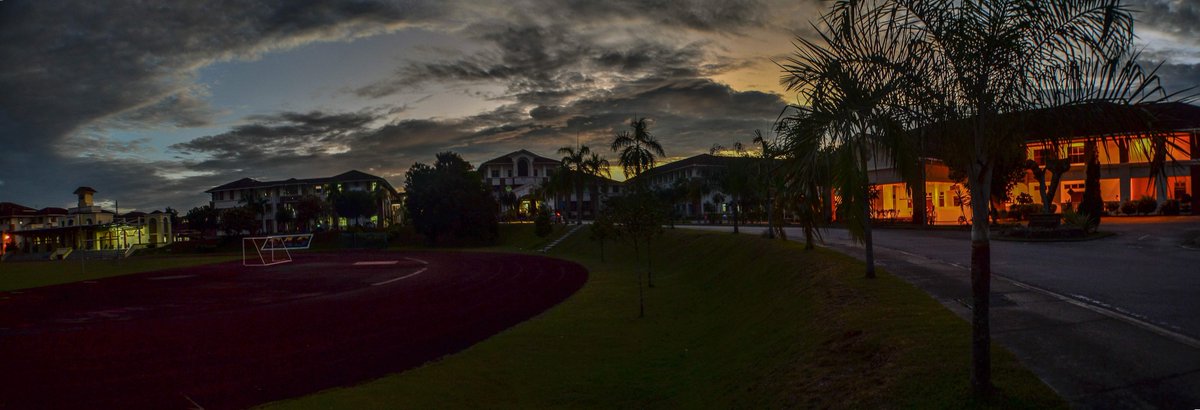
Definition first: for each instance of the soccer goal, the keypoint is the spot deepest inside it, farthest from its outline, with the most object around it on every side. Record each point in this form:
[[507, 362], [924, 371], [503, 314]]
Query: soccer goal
[[272, 250]]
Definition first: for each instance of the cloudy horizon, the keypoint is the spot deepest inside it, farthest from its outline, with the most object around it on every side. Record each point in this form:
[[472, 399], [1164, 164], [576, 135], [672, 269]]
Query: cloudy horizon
[[154, 104]]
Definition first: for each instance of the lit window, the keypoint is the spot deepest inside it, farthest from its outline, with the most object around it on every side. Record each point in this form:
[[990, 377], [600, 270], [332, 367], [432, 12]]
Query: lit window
[[1075, 155], [941, 199]]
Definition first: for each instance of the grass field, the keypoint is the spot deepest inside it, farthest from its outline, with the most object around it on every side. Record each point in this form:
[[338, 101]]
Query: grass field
[[734, 321], [24, 275]]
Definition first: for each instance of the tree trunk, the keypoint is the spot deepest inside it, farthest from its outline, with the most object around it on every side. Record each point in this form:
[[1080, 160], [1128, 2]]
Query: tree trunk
[[734, 205], [641, 295], [579, 203], [918, 198], [867, 239], [1093, 203], [649, 273], [770, 217], [981, 283]]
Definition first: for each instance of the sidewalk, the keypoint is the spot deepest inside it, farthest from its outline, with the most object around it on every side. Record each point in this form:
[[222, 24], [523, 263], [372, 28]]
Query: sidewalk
[[1093, 357]]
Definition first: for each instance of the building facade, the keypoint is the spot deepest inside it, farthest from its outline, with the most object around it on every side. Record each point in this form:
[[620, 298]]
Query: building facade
[[1125, 169], [282, 196], [516, 178], [84, 227]]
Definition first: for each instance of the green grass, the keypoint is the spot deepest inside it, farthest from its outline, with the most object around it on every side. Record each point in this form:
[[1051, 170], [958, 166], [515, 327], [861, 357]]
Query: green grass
[[734, 321], [520, 236], [24, 275]]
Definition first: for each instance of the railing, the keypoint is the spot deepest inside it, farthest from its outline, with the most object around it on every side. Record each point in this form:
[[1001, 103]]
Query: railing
[[133, 248]]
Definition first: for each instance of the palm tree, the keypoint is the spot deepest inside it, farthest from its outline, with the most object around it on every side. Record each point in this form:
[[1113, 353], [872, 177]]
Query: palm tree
[[638, 151], [975, 68], [596, 167], [575, 161], [256, 204]]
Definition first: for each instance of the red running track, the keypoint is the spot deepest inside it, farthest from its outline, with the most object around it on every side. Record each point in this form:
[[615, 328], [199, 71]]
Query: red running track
[[226, 336]]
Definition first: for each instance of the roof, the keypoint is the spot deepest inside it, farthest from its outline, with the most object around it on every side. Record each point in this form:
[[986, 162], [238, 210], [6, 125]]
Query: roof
[[84, 189], [702, 160], [507, 159], [9, 208], [52, 211], [1092, 120], [348, 176]]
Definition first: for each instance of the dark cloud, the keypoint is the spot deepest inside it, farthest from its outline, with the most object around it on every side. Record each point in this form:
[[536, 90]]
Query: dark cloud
[[84, 70], [69, 70]]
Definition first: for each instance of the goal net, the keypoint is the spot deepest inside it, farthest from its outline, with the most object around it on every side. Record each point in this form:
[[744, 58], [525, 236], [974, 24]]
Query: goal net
[[272, 250]]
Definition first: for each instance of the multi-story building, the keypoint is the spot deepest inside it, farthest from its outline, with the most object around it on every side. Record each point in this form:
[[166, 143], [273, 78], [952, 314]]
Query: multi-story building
[[699, 175], [1125, 171], [518, 175], [84, 227], [283, 195]]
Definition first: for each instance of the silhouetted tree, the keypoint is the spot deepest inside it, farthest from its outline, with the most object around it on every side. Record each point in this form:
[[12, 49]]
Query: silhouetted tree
[[449, 198]]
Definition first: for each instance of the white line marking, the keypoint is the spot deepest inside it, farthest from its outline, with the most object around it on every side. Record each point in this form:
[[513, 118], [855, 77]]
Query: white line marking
[[399, 278], [369, 263], [417, 260]]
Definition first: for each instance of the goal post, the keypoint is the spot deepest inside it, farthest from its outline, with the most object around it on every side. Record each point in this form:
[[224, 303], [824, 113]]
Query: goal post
[[272, 250]]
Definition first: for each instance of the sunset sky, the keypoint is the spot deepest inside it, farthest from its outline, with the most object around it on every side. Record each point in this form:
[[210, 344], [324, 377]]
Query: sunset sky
[[152, 104]]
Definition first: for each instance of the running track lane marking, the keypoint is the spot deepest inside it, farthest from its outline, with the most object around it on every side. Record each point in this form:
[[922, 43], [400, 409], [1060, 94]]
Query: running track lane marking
[[405, 276], [399, 278], [367, 263]]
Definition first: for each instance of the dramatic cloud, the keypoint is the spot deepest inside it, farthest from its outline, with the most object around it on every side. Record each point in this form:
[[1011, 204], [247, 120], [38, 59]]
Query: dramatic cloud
[[116, 96]]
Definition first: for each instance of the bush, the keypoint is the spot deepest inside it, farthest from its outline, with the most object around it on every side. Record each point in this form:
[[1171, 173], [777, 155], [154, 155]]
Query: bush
[[541, 224], [1112, 207], [1022, 211], [1170, 207], [1024, 199], [1077, 220], [1129, 207], [1146, 205]]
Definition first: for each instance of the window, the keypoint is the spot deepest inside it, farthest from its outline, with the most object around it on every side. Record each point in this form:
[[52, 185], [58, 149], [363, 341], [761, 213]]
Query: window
[[1039, 156], [1075, 154], [535, 172], [495, 173], [522, 167], [509, 173], [941, 198]]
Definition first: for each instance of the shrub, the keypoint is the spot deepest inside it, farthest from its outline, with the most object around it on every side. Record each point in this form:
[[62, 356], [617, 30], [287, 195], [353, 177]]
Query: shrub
[[1129, 207], [1077, 220], [541, 224], [1022, 211], [1024, 198], [1112, 207], [1146, 205], [1170, 207]]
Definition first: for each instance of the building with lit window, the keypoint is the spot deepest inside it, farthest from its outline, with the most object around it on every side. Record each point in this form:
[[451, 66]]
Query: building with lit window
[[84, 227], [1122, 145], [281, 196], [516, 177]]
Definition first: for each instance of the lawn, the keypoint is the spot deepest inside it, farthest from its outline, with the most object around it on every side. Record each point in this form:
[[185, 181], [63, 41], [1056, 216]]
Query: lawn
[[23, 275], [734, 321]]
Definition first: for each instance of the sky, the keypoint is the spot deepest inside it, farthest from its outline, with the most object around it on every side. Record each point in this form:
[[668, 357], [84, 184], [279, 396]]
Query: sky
[[152, 103]]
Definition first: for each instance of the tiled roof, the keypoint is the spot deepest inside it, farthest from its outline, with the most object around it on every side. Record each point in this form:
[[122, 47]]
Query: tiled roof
[[506, 159], [348, 176]]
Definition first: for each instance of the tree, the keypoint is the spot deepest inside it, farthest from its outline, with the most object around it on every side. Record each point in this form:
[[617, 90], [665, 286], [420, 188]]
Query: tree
[[639, 218], [1056, 167], [257, 205], [284, 216], [239, 219], [450, 199], [978, 69], [308, 209], [638, 151], [574, 160], [203, 218], [354, 205], [603, 229], [596, 167], [541, 224]]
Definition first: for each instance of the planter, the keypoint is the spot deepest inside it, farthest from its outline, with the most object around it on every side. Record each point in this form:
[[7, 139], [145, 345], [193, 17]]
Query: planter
[[1048, 221]]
